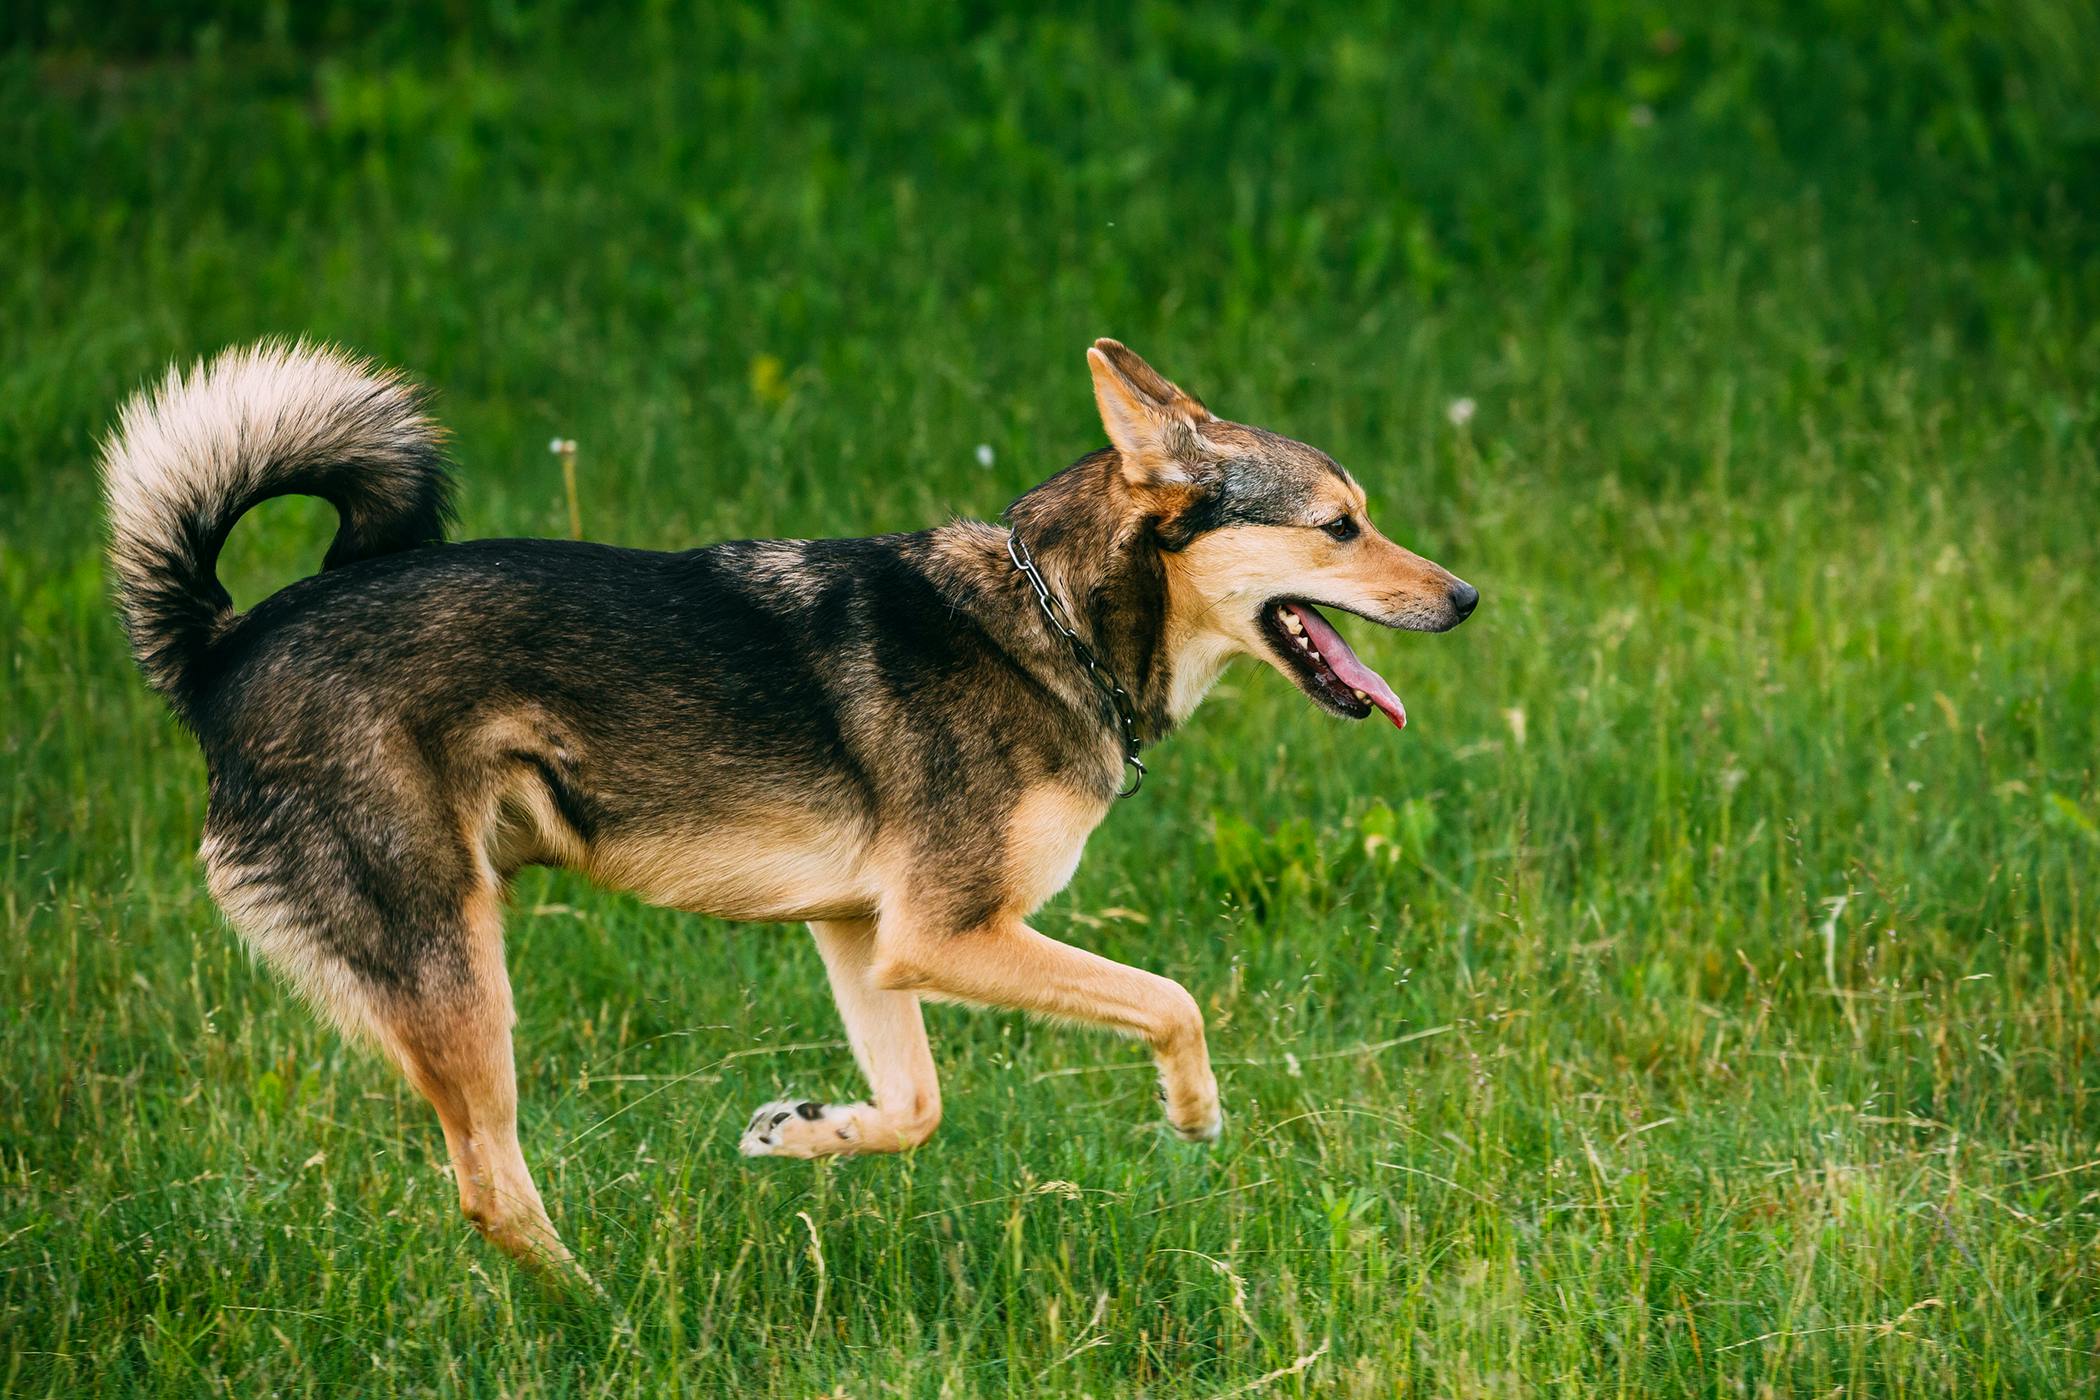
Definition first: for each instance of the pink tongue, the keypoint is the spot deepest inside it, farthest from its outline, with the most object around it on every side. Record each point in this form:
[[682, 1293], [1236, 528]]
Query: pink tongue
[[1342, 661]]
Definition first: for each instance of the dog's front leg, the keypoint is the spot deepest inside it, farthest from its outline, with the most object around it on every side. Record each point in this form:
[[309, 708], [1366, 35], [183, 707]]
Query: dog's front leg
[[888, 1037], [1006, 963]]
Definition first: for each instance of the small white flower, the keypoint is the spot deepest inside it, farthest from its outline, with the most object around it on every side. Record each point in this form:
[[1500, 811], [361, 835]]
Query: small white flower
[[984, 454], [561, 445], [554, 446], [1514, 718], [1460, 412]]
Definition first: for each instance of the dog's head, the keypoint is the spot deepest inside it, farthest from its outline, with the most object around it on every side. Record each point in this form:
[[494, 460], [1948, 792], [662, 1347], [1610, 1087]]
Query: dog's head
[[1257, 533]]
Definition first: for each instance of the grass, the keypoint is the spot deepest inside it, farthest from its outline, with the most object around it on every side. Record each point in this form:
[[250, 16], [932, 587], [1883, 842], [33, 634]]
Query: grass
[[1699, 997]]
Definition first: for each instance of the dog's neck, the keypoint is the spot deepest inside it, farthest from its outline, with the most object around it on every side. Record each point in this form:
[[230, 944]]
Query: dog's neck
[[1101, 559]]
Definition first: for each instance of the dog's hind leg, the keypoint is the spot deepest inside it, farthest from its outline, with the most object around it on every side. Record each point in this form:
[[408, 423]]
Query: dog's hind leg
[[379, 907], [452, 1037], [888, 1036]]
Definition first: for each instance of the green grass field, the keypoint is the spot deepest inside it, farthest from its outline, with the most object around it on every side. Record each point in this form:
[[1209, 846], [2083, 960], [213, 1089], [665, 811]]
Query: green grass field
[[1699, 998]]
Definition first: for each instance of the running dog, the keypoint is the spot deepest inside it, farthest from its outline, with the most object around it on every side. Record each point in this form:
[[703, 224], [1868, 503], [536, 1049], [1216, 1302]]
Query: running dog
[[903, 741]]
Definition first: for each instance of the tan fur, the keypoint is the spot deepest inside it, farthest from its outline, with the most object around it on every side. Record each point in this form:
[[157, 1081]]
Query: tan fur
[[1216, 585], [788, 868], [1045, 836], [456, 1050], [273, 931], [781, 867], [1150, 421], [520, 826], [1010, 964], [888, 1036], [1198, 656]]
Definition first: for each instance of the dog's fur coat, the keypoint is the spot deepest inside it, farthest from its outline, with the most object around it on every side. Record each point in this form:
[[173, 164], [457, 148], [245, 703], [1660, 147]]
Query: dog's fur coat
[[882, 737]]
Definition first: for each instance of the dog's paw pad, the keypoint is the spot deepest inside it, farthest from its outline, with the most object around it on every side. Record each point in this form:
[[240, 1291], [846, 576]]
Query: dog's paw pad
[[799, 1128]]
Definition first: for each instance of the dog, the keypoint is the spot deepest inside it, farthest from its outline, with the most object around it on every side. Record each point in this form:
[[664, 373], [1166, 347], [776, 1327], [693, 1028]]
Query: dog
[[903, 741]]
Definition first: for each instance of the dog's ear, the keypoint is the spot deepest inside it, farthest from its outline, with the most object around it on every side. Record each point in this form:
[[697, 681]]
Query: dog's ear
[[1148, 381], [1152, 423]]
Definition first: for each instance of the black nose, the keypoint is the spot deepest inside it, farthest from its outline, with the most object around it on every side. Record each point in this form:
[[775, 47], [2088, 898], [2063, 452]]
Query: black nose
[[1464, 598]]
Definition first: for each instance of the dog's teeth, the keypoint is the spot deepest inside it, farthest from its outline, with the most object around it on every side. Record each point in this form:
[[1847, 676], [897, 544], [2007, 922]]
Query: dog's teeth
[[1360, 695], [1313, 654], [1304, 642], [1292, 624]]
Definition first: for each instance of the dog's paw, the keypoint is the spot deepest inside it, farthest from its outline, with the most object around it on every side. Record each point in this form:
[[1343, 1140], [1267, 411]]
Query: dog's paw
[[1208, 1131], [1198, 1118], [1205, 1130], [800, 1128]]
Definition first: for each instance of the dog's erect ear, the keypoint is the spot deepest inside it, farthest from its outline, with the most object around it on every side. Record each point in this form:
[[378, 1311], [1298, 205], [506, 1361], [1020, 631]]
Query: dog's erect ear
[[1152, 423], [1148, 381]]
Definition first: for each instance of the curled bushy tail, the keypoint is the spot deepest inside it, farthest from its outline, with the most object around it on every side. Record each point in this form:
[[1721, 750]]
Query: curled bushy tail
[[190, 456]]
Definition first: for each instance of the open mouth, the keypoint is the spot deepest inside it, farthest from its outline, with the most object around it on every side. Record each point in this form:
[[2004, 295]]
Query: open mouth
[[1315, 656]]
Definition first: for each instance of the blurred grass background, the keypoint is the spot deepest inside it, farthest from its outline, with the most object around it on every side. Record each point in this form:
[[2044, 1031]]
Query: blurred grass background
[[1699, 998]]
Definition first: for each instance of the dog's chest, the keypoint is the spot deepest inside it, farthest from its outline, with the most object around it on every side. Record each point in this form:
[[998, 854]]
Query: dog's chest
[[1045, 836]]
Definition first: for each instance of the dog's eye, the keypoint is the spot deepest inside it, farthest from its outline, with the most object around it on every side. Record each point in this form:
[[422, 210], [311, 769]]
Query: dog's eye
[[1342, 527]]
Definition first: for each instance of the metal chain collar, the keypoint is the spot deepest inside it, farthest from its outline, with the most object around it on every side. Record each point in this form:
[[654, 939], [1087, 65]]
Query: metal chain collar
[[1104, 679]]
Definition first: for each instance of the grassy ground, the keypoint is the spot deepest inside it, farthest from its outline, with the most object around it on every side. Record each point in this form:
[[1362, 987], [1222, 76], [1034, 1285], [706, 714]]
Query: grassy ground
[[1698, 998]]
